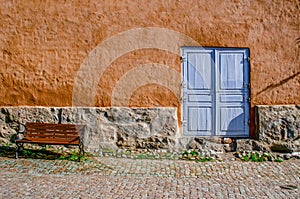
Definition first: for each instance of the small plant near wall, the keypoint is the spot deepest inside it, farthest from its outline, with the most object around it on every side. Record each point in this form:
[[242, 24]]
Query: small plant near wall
[[73, 156], [278, 159], [255, 156], [195, 156]]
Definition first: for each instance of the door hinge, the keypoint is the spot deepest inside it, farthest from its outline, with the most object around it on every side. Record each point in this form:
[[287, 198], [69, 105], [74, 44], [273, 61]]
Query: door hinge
[[249, 99], [182, 59], [248, 122], [246, 85], [248, 59]]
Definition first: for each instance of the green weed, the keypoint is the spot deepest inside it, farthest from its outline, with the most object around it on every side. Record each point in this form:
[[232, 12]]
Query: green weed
[[278, 159], [195, 156], [258, 157]]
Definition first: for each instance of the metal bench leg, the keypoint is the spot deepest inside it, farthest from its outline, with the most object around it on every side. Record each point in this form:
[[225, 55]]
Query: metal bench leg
[[81, 151], [19, 146]]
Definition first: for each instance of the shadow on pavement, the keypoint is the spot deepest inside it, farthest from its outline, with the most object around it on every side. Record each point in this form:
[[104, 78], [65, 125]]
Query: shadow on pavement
[[10, 152]]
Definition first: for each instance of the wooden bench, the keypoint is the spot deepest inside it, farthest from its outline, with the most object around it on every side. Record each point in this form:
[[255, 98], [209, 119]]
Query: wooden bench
[[52, 134]]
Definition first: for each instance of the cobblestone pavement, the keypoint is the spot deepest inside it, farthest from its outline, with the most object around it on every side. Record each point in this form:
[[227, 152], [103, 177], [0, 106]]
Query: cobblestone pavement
[[108, 177]]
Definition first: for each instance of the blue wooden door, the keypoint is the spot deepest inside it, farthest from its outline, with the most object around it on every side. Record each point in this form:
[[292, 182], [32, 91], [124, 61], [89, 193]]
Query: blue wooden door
[[215, 91]]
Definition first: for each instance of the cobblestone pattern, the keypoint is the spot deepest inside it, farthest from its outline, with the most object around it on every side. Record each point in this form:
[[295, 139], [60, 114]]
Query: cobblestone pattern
[[126, 178]]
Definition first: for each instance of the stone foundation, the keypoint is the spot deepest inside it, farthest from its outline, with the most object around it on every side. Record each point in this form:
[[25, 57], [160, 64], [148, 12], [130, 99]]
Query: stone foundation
[[278, 128], [112, 128], [156, 128]]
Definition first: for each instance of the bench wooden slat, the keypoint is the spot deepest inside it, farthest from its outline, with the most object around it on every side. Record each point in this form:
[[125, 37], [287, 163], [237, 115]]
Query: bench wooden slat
[[51, 136], [53, 130], [74, 128], [49, 141], [66, 132], [54, 126], [52, 133], [48, 138], [29, 124]]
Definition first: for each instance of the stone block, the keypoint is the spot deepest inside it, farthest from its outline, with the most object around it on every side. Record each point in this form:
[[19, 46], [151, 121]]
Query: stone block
[[121, 115], [278, 127], [285, 147], [251, 145], [183, 142], [137, 130], [29, 114]]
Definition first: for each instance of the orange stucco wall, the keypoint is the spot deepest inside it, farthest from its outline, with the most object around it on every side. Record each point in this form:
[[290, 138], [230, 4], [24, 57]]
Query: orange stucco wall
[[44, 44]]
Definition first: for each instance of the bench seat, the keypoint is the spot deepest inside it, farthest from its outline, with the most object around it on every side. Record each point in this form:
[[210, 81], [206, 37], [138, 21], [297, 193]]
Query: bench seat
[[52, 134]]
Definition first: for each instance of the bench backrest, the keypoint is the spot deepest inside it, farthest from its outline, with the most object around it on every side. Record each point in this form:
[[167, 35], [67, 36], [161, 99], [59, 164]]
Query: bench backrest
[[56, 132]]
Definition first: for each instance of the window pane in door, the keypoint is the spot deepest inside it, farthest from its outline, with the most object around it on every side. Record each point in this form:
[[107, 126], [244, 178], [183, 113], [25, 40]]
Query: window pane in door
[[231, 70], [199, 70]]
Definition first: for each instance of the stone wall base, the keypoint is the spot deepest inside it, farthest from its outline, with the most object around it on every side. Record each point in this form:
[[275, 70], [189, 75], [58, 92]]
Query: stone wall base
[[155, 128], [278, 128]]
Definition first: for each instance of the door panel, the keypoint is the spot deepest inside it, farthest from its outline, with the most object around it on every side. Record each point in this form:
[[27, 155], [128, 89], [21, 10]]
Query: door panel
[[231, 98], [199, 119], [198, 97], [231, 118], [231, 95]]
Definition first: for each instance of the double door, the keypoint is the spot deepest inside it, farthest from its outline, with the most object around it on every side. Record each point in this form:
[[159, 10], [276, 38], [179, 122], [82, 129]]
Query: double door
[[215, 91]]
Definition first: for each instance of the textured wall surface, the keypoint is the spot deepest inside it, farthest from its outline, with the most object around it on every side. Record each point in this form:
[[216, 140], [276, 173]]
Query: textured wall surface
[[279, 127], [44, 45]]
